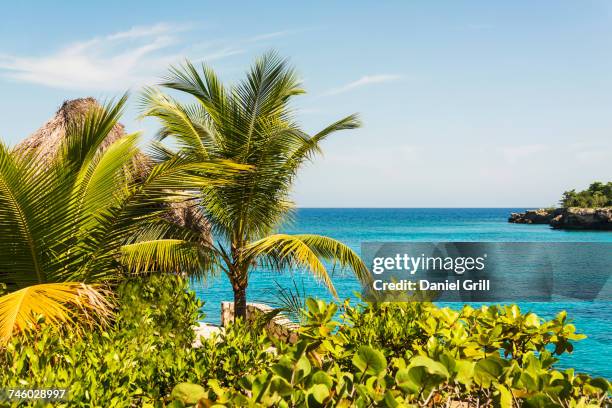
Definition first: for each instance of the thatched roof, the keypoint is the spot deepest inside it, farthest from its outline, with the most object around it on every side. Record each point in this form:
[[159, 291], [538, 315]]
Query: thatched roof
[[47, 140]]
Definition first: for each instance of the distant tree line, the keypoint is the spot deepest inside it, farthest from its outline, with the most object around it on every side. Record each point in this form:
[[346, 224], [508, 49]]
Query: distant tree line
[[597, 195]]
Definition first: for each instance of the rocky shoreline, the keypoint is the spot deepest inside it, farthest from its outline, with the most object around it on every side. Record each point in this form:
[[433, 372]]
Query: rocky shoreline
[[567, 218]]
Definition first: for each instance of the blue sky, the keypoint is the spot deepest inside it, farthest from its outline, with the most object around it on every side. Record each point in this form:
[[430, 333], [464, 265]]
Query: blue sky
[[464, 103]]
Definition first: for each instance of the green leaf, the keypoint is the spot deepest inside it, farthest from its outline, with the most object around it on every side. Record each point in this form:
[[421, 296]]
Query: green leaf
[[320, 392], [411, 380], [302, 368], [487, 371], [280, 386], [433, 367], [369, 361], [600, 383], [321, 377], [505, 397], [188, 393], [464, 371], [389, 400]]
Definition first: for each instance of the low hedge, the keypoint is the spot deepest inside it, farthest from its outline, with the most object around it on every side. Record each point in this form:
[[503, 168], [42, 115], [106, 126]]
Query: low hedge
[[390, 355]]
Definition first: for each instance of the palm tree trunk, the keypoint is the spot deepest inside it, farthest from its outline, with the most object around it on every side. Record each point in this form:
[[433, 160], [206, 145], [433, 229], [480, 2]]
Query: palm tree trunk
[[240, 302], [239, 280]]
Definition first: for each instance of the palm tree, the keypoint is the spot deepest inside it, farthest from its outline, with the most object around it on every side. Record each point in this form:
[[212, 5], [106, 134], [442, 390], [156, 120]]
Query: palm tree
[[250, 123], [74, 224]]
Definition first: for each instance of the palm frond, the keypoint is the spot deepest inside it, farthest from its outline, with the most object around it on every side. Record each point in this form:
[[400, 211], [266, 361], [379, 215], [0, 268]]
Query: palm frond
[[160, 152], [167, 255], [290, 301], [59, 304], [206, 88], [311, 145], [97, 184], [20, 251], [85, 137], [188, 125], [308, 251]]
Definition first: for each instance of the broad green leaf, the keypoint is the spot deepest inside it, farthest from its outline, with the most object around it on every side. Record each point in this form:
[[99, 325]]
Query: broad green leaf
[[188, 393], [465, 371], [320, 392], [411, 380], [433, 367], [280, 386], [505, 396], [487, 371], [369, 361], [321, 377]]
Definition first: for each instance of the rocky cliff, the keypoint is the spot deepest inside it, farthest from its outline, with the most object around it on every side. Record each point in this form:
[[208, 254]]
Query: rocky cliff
[[541, 216], [584, 218], [567, 218]]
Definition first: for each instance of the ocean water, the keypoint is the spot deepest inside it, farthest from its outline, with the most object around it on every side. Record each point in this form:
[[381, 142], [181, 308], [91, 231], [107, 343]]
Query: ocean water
[[354, 226]]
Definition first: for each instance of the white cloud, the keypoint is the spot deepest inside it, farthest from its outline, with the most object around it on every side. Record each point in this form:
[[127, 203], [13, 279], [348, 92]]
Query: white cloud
[[118, 61], [269, 36], [122, 60], [277, 34], [364, 81]]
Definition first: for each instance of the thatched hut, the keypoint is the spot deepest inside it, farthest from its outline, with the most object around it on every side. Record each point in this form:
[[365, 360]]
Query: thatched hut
[[47, 140]]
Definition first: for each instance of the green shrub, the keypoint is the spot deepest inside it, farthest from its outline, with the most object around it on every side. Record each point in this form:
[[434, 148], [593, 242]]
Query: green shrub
[[393, 354], [597, 195], [239, 350], [137, 360], [415, 354]]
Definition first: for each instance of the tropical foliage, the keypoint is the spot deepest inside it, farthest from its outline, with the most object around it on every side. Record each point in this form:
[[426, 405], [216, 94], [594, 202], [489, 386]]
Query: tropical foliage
[[72, 227], [86, 238], [250, 123], [410, 355], [135, 360], [597, 195], [385, 355]]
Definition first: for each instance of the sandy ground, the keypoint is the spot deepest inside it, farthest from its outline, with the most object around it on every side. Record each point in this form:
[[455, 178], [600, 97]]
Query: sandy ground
[[205, 330]]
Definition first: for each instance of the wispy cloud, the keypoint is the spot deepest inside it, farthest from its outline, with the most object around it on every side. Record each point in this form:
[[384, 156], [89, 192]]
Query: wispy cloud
[[269, 36], [279, 34], [115, 61], [364, 81], [120, 60]]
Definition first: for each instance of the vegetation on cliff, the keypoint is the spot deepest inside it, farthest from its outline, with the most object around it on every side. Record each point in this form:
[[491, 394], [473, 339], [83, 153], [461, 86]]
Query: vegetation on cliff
[[588, 209], [596, 196]]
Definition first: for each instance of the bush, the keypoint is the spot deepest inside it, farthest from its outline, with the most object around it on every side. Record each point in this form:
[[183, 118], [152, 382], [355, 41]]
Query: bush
[[416, 354], [597, 195], [136, 361], [393, 354]]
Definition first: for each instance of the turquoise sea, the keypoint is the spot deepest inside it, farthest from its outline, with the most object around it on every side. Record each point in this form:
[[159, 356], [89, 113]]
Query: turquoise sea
[[354, 226]]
